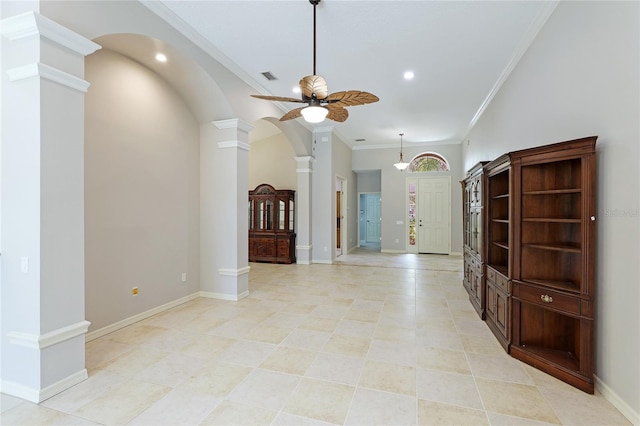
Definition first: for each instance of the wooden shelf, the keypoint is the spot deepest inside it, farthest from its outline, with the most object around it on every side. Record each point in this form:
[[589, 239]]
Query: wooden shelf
[[497, 197], [501, 244], [500, 268], [554, 191], [567, 286], [551, 220], [564, 359], [569, 248], [500, 220]]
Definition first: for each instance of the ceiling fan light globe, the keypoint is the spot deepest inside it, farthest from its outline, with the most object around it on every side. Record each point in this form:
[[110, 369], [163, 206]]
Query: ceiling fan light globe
[[314, 114]]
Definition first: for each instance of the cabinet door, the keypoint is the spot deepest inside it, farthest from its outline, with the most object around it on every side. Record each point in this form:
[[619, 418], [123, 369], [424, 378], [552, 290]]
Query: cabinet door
[[468, 273], [264, 247], [491, 301], [476, 285], [501, 312]]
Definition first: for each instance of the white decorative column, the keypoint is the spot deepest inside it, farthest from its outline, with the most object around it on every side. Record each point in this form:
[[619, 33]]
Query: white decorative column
[[43, 318], [323, 197], [303, 210], [224, 248]]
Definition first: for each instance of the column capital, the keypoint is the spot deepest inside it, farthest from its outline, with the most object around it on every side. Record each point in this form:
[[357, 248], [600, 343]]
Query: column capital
[[234, 144], [32, 23], [304, 164], [233, 123]]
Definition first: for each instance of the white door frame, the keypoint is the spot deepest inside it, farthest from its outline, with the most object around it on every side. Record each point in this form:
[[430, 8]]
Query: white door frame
[[343, 216]]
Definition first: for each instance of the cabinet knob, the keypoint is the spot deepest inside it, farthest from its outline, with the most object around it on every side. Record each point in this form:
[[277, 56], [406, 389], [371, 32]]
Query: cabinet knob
[[546, 298], [593, 218]]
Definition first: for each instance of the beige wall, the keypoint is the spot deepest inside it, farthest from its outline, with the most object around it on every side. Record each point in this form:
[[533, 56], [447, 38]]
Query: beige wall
[[271, 160], [141, 191]]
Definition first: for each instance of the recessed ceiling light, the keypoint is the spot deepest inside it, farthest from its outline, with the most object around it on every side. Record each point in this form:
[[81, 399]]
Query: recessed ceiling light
[[408, 75], [160, 57]]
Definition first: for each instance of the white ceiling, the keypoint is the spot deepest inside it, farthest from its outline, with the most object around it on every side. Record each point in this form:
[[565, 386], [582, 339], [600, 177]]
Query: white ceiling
[[460, 52]]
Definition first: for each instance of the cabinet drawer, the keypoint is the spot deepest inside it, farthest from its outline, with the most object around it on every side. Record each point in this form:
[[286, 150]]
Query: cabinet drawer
[[491, 275], [550, 299], [283, 248], [502, 283]]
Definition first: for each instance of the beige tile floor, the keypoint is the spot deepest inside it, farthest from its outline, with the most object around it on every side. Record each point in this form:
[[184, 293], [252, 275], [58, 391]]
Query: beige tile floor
[[374, 339]]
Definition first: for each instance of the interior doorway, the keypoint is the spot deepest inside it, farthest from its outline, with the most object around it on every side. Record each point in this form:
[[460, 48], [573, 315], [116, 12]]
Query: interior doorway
[[370, 220], [341, 231]]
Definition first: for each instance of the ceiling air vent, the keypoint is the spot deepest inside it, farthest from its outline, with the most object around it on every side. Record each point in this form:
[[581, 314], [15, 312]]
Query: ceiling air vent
[[269, 76], [360, 140]]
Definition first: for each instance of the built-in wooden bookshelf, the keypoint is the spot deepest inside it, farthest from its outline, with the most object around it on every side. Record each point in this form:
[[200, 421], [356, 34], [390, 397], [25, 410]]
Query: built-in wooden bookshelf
[[540, 261], [553, 290], [499, 241]]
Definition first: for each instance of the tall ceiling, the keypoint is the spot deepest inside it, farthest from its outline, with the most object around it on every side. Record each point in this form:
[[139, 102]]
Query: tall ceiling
[[460, 52]]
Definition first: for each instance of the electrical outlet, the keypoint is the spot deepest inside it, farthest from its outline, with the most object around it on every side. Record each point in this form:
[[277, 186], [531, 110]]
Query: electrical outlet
[[184, 277], [134, 291]]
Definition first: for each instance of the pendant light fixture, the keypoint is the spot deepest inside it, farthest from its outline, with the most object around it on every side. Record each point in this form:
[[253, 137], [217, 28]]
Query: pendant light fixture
[[401, 165]]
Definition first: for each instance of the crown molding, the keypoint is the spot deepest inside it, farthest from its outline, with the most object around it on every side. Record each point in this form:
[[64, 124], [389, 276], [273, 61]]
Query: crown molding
[[524, 44]]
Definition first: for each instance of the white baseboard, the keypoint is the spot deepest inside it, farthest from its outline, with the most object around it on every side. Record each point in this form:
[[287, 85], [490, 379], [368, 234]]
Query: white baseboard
[[616, 401], [393, 251], [138, 317], [223, 296], [158, 309], [39, 395], [322, 261]]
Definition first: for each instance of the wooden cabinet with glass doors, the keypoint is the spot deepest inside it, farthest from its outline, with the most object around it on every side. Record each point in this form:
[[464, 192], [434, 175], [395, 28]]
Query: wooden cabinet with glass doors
[[272, 235], [474, 269]]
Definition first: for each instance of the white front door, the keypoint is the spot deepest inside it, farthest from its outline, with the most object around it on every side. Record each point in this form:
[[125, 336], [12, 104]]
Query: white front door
[[372, 218], [434, 218]]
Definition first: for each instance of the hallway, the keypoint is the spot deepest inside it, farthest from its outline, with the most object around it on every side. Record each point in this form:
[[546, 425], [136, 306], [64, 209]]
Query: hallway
[[375, 338]]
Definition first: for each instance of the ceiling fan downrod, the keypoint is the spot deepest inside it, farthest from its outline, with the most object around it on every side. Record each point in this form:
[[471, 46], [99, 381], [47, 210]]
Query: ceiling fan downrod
[[314, 3]]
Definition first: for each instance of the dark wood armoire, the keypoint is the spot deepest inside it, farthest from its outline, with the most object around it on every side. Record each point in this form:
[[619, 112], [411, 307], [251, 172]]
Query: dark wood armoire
[[272, 235]]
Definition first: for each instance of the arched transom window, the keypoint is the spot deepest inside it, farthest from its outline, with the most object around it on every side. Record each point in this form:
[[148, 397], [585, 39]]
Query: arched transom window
[[428, 162]]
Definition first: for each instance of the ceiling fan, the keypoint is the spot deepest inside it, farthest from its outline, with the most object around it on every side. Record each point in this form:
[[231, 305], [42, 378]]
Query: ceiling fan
[[315, 93]]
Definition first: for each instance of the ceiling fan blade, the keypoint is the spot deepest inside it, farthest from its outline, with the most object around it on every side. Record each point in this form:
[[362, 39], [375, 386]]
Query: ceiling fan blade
[[294, 113], [278, 98], [314, 85], [337, 113], [351, 98]]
